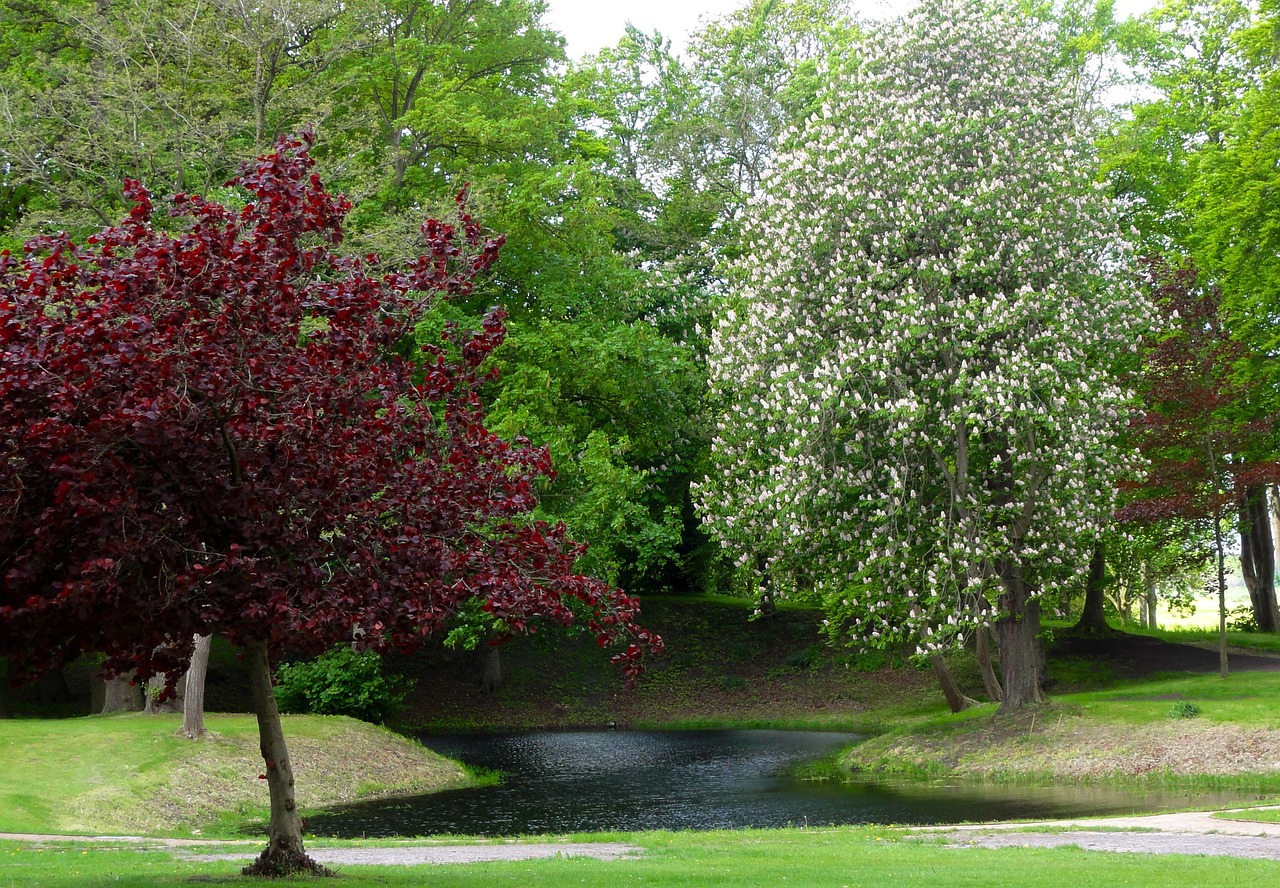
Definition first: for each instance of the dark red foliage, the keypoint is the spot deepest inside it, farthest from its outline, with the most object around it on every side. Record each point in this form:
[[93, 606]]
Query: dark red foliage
[[218, 431], [1199, 415]]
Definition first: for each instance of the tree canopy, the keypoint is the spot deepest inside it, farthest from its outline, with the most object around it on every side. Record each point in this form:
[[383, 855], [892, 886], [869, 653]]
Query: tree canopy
[[226, 430], [916, 368]]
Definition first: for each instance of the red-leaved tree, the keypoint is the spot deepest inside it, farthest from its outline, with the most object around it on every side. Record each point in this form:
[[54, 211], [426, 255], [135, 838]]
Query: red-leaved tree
[[227, 430], [1208, 448]]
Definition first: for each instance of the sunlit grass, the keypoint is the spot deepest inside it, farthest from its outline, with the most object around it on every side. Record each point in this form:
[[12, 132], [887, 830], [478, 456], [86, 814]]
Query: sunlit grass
[[853, 857], [131, 773]]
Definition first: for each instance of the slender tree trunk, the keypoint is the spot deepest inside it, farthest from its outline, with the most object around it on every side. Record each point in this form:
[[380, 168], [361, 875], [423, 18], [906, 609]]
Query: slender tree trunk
[[490, 669], [955, 697], [766, 604], [121, 696], [193, 700], [284, 854], [1222, 562], [1094, 618], [1037, 645], [1222, 593], [1257, 558], [989, 679], [1273, 497], [1153, 599], [1017, 632]]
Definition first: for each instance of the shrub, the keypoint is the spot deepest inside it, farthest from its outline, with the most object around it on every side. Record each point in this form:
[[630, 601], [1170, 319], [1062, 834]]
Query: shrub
[[341, 681], [808, 658], [1184, 709], [1242, 619]]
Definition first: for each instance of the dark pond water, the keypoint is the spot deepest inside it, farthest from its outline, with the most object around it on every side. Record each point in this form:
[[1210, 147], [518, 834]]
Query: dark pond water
[[639, 780]]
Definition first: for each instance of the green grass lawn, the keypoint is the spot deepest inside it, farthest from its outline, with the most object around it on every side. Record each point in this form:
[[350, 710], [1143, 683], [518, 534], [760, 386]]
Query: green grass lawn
[[1247, 699], [852, 857], [1251, 815], [131, 773]]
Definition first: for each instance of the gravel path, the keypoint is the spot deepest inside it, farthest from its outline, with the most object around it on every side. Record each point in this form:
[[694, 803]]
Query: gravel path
[[412, 855], [1186, 833]]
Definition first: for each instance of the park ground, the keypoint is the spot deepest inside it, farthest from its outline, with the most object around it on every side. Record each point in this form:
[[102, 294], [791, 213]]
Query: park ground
[[1111, 718]]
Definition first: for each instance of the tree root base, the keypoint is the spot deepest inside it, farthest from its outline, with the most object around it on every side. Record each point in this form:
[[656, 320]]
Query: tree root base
[[277, 863]]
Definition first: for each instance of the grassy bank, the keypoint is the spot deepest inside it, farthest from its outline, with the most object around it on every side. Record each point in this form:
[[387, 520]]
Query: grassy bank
[[132, 774], [853, 858], [1135, 731]]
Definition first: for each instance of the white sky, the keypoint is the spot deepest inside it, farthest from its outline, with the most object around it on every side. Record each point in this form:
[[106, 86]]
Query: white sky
[[589, 25]]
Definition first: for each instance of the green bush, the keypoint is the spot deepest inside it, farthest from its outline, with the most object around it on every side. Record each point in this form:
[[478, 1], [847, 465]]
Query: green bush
[[1242, 619], [1184, 709], [808, 658], [341, 681]]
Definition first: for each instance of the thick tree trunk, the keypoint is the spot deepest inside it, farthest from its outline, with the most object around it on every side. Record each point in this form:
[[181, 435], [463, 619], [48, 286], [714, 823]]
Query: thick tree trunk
[[151, 694], [955, 697], [490, 669], [1257, 558], [1017, 632], [284, 854], [121, 696], [193, 700], [989, 679], [1094, 618]]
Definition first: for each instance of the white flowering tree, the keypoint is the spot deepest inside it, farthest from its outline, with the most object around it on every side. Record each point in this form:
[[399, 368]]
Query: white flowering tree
[[918, 409]]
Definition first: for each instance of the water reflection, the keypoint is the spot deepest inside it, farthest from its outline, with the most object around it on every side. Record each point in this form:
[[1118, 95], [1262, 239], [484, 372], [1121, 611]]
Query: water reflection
[[639, 780]]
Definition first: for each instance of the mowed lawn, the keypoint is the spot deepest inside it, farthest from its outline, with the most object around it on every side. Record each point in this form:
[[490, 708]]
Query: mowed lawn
[[813, 858]]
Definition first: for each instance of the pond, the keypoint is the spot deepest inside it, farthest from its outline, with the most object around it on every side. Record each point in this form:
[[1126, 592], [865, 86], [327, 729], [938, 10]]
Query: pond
[[564, 782]]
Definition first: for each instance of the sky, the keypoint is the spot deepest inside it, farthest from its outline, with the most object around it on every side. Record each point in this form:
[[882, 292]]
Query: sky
[[589, 25]]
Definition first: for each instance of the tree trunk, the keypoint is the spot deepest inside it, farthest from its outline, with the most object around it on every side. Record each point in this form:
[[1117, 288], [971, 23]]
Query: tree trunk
[[490, 669], [989, 679], [1274, 498], [1094, 618], [193, 700], [766, 604], [284, 854], [121, 696], [1042, 659], [955, 697], [53, 686], [151, 694], [1153, 599], [1257, 558], [1017, 632], [1222, 592]]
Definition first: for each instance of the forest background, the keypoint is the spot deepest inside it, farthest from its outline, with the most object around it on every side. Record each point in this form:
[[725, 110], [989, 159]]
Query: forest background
[[620, 180]]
